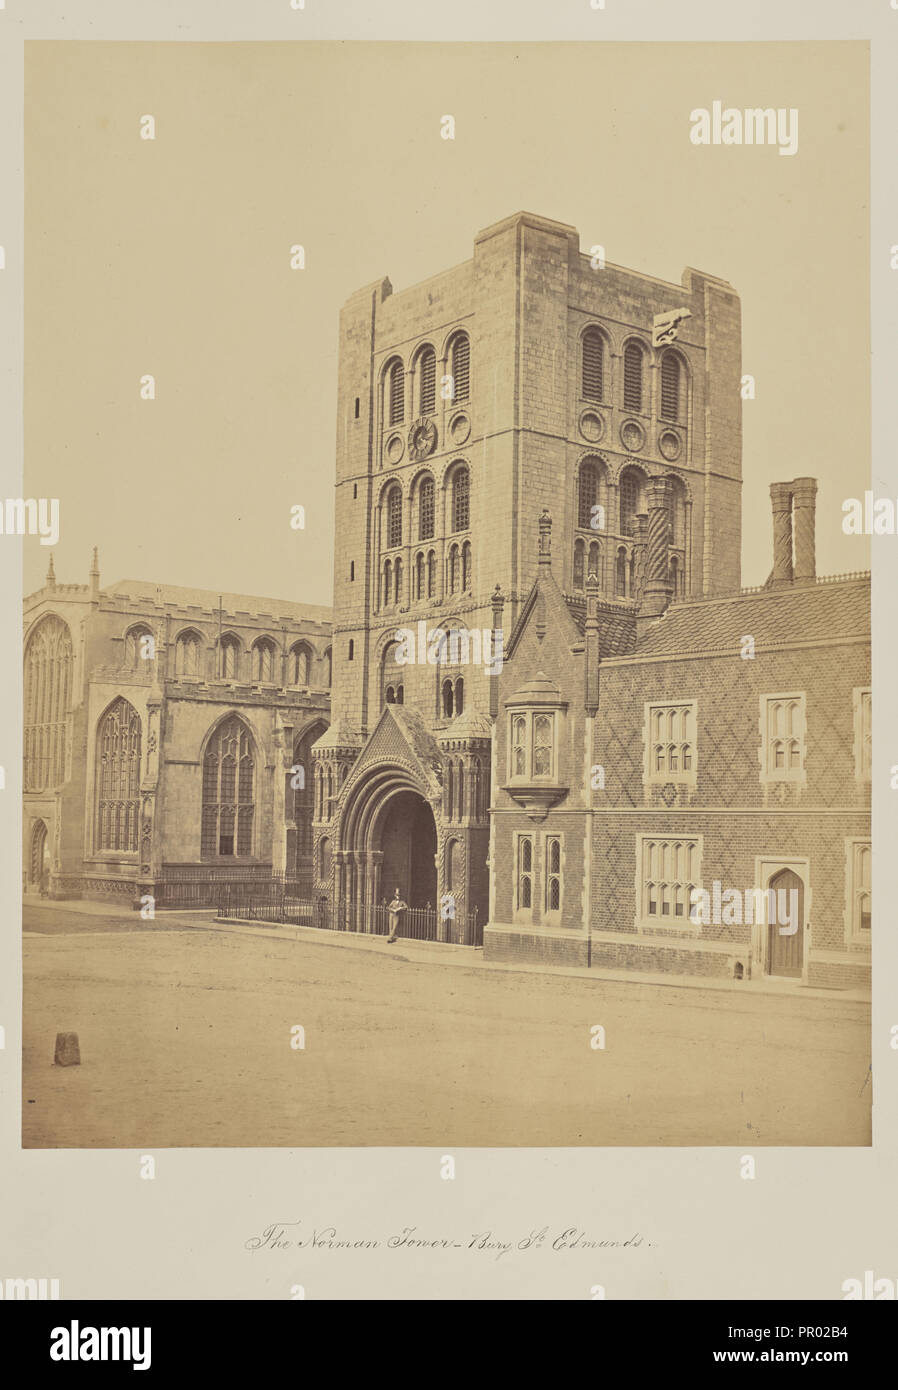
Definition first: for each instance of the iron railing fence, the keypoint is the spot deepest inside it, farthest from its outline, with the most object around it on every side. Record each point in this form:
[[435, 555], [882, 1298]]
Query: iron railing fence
[[284, 902]]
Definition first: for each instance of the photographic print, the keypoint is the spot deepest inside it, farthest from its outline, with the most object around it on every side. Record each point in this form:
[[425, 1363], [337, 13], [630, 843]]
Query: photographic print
[[447, 684]]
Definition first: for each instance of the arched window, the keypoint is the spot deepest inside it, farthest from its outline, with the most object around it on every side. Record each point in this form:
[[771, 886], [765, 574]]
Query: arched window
[[676, 495], [620, 574], [579, 555], [427, 379], [633, 377], [451, 870], [425, 509], [118, 778], [633, 575], [431, 573], [40, 865], [396, 393], [461, 500], [391, 677], [264, 661], [676, 576], [137, 649], [595, 561], [453, 568], [419, 575], [448, 699], [187, 654], [460, 367], [632, 499], [459, 695], [228, 658], [228, 792], [299, 664], [388, 584], [324, 859], [328, 667], [397, 580], [466, 567], [48, 685], [670, 386], [394, 518], [590, 493], [593, 365]]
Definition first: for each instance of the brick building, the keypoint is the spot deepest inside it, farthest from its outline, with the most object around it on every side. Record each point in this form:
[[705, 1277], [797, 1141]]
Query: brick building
[[161, 727], [536, 451]]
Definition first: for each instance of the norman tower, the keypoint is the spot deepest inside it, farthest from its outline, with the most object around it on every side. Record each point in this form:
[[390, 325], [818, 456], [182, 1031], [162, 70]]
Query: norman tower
[[524, 378], [529, 377]]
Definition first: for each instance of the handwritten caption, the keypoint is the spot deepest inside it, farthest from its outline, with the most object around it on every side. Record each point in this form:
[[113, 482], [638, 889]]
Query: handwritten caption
[[291, 1235]]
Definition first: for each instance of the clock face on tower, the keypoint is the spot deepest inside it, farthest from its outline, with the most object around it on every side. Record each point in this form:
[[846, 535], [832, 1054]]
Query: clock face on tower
[[422, 439]]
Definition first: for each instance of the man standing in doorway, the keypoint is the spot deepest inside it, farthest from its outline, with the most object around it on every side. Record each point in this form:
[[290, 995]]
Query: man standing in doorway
[[397, 908]]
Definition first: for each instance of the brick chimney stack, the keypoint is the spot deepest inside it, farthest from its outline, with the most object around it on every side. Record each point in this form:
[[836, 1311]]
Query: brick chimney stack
[[781, 503], [804, 502]]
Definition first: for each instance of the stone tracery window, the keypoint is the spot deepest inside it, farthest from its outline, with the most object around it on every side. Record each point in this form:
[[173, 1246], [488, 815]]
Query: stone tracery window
[[118, 778], [48, 685], [228, 792]]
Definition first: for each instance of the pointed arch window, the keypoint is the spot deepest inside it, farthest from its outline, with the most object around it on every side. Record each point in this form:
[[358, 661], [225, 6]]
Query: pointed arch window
[[187, 654], [299, 664], [264, 661], [118, 778], [228, 792], [228, 659], [48, 685], [138, 649]]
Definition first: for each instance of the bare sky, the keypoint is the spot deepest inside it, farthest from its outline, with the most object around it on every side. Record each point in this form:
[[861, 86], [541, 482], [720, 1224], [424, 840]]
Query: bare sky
[[171, 257]]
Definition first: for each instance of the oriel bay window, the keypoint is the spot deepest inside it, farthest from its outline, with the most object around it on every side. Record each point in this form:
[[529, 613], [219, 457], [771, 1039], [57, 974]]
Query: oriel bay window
[[535, 716]]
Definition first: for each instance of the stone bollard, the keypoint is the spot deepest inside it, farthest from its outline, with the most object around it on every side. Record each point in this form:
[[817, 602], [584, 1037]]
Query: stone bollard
[[68, 1053]]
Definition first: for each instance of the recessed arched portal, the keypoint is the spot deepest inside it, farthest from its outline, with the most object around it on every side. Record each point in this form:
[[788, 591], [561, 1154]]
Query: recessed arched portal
[[408, 842], [387, 840]]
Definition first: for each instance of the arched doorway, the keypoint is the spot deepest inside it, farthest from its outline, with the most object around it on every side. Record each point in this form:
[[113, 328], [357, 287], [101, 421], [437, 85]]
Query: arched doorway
[[40, 857], [407, 836], [785, 924], [387, 839]]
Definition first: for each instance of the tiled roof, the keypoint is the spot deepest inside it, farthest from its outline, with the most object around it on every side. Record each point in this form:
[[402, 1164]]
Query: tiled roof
[[617, 625], [793, 613]]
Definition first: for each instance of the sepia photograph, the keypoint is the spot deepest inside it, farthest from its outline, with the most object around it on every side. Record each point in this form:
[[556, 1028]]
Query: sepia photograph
[[446, 636]]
